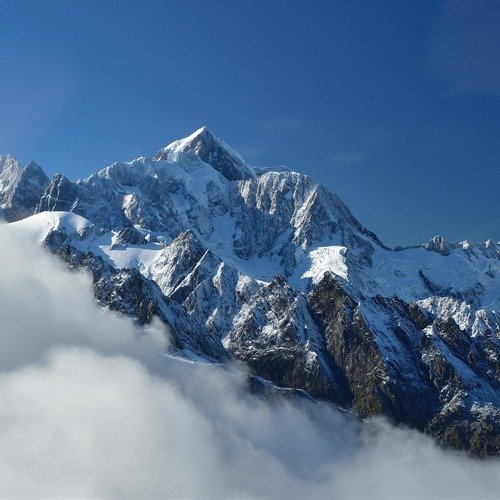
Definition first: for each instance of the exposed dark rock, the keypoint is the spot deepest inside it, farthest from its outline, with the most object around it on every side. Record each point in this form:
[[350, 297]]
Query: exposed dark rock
[[60, 195], [480, 437], [128, 236], [22, 194], [268, 336], [378, 384], [128, 292]]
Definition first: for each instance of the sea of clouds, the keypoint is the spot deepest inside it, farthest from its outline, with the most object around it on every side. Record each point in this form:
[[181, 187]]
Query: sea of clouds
[[91, 408]]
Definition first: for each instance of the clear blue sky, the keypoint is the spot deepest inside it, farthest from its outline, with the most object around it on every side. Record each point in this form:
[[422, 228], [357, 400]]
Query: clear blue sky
[[395, 106]]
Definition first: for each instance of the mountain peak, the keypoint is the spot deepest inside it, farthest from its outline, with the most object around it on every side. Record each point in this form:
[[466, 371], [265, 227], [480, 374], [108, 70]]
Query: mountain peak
[[20, 188], [209, 149], [9, 163], [438, 244], [204, 132], [32, 168], [10, 172]]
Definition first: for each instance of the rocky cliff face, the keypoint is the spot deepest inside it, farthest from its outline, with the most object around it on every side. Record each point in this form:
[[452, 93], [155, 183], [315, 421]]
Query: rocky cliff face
[[270, 270], [20, 188]]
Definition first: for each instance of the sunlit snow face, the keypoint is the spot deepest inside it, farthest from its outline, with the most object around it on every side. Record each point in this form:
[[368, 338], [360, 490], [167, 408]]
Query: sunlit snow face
[[90, 410]]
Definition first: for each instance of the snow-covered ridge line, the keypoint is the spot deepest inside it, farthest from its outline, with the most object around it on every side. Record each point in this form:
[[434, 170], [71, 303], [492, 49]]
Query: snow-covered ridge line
[[440, 245], [270, 268], [278, 222]]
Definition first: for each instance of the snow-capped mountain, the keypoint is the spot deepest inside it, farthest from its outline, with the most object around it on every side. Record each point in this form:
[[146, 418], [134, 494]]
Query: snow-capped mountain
[[20, 188], [271, 269]]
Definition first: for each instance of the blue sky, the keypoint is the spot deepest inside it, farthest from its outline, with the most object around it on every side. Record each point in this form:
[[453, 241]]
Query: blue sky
[[395, 106]]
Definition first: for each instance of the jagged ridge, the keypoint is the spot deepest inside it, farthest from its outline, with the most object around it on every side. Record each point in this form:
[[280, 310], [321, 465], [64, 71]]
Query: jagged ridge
[[272, 269]]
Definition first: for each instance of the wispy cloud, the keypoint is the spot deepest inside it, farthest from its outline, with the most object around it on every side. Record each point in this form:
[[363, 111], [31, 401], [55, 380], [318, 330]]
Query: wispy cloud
[[283, 125]]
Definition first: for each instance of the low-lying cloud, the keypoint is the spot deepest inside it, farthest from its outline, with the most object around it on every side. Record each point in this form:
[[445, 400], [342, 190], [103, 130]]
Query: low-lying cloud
[[90, 408]]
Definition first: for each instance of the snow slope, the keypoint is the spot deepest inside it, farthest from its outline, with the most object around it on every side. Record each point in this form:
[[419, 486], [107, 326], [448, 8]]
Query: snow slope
[[270, 268]]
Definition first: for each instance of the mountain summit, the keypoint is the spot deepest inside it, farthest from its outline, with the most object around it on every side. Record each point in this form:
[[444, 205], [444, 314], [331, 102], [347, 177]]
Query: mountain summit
[[271, 269], [209, 149]]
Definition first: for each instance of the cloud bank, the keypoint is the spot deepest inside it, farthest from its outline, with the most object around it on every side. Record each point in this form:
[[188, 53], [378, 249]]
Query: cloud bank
[[90, 408]]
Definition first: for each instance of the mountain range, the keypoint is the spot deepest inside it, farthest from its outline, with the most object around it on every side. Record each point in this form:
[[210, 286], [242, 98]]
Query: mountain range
[[268, 269]]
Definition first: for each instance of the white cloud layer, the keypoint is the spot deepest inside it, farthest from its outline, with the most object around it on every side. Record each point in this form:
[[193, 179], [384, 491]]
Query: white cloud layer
[[91, 409]]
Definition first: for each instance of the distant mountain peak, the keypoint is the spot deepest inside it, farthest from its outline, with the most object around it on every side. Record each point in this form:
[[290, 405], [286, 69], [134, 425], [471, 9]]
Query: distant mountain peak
[[20, 188], [209, 149], [438, 244], [32, 168]]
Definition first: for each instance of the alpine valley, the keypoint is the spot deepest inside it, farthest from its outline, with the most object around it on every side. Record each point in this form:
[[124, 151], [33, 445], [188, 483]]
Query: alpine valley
[[267, 269]]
